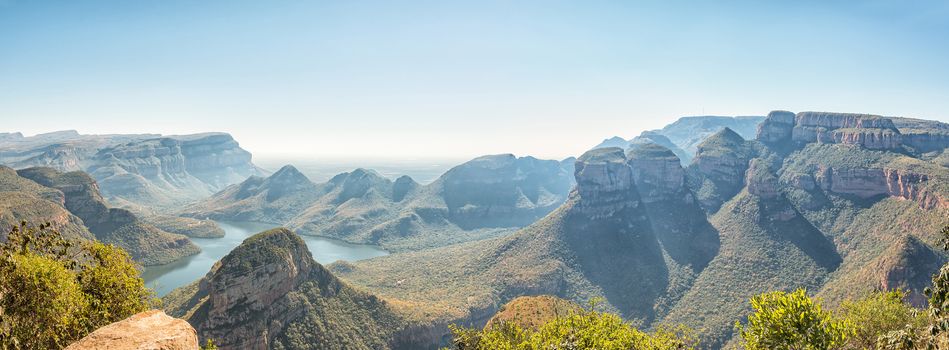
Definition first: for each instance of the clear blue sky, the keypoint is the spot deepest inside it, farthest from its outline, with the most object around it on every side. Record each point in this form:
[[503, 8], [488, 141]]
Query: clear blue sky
[[446, 78]]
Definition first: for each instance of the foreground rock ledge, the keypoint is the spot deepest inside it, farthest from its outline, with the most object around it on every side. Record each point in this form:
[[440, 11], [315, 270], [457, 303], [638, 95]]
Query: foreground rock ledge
[[150, 330]]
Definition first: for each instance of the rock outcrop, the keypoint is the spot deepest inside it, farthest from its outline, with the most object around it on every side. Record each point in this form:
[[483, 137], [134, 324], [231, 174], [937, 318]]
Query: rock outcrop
[[657, 173], [604, 183], [777, 127], [761, 181], [243, 289], [152, 330], [718, 170], [871, 182]]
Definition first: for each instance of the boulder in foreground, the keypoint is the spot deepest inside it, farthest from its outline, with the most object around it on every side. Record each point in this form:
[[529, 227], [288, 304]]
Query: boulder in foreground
[[151, 329]]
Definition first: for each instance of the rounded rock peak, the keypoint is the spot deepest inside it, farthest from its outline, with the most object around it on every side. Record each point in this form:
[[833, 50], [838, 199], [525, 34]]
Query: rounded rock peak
[[602, 156], [650, 151]]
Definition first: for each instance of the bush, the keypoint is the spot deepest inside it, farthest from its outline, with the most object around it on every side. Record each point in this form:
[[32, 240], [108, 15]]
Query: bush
[[53, 291], [793, 320], [877, 315], [587, 329]]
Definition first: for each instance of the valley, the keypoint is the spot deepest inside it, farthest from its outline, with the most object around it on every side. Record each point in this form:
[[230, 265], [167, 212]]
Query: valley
[[840, 204], [165, 278]]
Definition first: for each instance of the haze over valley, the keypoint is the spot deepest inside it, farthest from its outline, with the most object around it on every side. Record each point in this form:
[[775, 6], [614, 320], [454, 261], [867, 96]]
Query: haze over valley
[[643, 175]]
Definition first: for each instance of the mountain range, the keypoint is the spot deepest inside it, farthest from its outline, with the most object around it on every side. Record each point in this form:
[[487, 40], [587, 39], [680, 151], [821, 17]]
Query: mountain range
[[485, 197], [684, 135], [677, 226], [839, 203]]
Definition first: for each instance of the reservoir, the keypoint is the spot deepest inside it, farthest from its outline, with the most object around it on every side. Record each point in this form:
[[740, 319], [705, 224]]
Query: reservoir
[[165, 278]]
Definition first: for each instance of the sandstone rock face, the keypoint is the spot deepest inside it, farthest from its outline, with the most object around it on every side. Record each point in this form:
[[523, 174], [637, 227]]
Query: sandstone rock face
[[868, 138], [869, 131], [926, 141], [657, 173], [604, 183], [777, 127], [149, 330], [168, 170], [866, 183], [243, 290], [760, 181]]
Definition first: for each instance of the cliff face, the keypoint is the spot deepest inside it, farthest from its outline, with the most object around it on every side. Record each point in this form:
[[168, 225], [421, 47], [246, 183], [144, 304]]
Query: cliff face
[[868, 131], [657, 173], [146, 330], [182, 167], [870, 182], [604, 183], [717, 172], [23, 199], [777, 127]]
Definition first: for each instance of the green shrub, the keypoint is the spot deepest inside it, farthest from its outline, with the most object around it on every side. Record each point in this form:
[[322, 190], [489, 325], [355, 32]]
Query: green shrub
[[793, 320], [53, 291], [587, 329]]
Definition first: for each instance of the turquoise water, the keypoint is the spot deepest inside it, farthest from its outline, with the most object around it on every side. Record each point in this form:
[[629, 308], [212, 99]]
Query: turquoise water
[[165, 278]]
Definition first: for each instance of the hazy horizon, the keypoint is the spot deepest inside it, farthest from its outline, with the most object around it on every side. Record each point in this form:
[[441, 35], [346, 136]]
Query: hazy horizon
[[430, 80]]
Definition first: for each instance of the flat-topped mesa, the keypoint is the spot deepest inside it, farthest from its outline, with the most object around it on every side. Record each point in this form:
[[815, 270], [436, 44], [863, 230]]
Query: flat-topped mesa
[[214, 158], [868, 131], [657, 173], [243, 287], [604, 183]]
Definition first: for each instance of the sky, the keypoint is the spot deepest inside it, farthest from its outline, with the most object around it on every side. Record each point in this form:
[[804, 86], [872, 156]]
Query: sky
[[417, 79]]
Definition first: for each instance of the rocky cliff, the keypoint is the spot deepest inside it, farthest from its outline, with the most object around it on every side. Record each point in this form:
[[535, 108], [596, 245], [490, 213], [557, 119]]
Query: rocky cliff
[[604, 183], [270, 293], [144, 171], [179, 168], [657, 172], [717, 172], [865, 130], [144, 242], [146, 330], [22, 199]]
